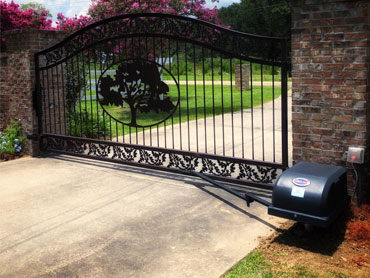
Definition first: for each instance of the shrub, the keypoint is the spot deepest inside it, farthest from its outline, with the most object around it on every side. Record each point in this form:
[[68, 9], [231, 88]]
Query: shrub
[[358, 228], [11, 139], [83, 124]]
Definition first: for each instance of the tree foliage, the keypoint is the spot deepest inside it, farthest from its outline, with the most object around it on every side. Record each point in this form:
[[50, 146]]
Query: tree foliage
[[262, 17], [35, 16], [101, 9], [12, 17], [35, 6]]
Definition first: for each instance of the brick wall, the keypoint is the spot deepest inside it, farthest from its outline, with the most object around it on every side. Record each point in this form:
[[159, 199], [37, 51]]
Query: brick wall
[[17, 78], [330, 79]]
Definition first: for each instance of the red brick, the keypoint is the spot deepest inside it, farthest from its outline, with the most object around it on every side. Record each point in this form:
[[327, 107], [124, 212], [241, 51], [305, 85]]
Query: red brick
[[355, 36], [332, 66], [322, 131], [321, 88], [312, 81], [344, 74], [355, 81], [355, 127], [356, 20], [333, 81], [332, 154], [343, 118], [298, 116], [361, 66], [346, 89], [361, 74], [321, 117], [359, 43], [311, 109], [333, 51], [311, 123], [323, 59], [312, 95], [331, 37], [333, 95], [311, 151], [321, 44], [342, 103]]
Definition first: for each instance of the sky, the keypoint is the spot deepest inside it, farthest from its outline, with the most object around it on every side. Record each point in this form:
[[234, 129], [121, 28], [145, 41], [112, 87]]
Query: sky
[[71, 8]]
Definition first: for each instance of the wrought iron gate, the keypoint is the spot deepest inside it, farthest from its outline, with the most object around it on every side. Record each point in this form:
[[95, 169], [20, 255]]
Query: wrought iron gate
[[167, 92]]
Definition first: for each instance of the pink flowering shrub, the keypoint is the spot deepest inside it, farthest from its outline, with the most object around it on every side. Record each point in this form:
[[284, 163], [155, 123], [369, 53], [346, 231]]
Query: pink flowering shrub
[[72, 24], [13, 18], [101, 9]]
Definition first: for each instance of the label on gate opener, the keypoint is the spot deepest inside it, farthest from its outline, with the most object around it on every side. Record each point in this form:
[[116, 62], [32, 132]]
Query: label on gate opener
[[297, 192], [301, 181]]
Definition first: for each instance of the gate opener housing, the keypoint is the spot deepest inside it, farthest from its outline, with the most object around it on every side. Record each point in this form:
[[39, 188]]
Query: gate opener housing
[[310, 193]]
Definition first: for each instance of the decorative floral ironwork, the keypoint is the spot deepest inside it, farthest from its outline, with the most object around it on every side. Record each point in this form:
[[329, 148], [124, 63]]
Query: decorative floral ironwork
[[100, 150], [257, 173], [124, 153], [209, 166], [152, 158], [218, 167], [184, 162]]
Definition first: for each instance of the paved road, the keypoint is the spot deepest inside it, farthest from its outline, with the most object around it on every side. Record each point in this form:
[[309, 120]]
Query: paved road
[[67, 217]]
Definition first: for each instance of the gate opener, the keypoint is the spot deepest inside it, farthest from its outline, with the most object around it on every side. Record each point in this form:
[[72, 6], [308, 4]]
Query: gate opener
[[310, 193]]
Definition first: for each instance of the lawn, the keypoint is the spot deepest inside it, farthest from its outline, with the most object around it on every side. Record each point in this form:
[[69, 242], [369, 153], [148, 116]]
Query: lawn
[[339, 251], [256, 265], [196, 102], [225, 77]]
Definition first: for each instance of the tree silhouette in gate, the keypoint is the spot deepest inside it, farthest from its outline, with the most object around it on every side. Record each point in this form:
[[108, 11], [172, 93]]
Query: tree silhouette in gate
[[140, 86]]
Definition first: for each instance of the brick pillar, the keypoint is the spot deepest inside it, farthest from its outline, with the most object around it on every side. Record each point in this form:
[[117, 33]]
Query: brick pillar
[[17, 78], [242, 77], [330, 79]]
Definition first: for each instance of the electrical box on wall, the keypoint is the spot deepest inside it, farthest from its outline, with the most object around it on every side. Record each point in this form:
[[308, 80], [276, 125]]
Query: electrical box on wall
[[355, 155]]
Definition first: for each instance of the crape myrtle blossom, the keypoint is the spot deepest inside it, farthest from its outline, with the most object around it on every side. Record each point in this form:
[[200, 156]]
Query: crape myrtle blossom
[[101, 9], [13, 18]]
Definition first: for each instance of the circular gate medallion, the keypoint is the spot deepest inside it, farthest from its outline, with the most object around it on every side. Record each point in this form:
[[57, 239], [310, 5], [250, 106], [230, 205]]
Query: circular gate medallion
[[133, 93]]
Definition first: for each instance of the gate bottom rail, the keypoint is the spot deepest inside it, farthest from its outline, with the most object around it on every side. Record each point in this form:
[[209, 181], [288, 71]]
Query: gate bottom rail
[[245, 172]]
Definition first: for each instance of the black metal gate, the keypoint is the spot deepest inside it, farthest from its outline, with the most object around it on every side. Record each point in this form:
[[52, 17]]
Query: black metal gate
[[167, 92]]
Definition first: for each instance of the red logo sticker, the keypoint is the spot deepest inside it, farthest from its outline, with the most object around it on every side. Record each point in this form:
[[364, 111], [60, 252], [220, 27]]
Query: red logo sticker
[[301, 181]]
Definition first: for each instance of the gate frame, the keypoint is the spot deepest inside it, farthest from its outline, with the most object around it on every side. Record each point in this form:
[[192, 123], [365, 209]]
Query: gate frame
[[60, 147]]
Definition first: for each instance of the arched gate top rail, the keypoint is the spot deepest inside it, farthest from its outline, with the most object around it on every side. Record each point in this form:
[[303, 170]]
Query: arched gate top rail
[[258, 48]]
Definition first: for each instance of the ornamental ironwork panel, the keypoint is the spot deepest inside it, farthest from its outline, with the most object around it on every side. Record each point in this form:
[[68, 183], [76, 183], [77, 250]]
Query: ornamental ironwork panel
[[213, 166]]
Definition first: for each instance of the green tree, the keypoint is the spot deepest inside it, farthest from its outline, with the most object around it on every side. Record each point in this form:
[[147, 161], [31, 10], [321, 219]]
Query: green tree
[[35, 6], [261, 17]]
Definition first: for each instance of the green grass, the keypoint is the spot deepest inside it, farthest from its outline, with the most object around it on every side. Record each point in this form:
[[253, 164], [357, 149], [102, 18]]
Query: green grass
[[252, 266], [193, 104], [216, 77], [256, 266], [225, 77]]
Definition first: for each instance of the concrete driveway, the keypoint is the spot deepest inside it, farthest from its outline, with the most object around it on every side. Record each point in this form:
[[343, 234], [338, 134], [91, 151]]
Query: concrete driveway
[[68, 217]]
